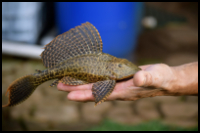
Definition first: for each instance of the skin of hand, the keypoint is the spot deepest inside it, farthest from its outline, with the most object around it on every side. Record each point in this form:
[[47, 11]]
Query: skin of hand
[[152, 80]]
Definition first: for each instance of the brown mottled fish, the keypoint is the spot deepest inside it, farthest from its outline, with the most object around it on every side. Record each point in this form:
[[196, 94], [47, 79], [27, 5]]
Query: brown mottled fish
[[75, 58]]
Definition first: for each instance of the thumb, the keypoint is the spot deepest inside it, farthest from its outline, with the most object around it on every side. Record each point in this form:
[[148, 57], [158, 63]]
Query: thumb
[[143, 79]]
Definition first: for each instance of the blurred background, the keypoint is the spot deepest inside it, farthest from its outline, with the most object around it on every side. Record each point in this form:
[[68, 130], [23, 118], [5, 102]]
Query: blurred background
[[156, 32]]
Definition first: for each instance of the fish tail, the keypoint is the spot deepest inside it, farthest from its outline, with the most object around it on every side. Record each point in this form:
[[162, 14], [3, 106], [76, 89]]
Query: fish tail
[[21, 89]]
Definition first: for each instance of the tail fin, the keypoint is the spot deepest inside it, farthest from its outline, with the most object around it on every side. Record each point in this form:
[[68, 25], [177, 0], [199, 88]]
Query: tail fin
[[21, 89]]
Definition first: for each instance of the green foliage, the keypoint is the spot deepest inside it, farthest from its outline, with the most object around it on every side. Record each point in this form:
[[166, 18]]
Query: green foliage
[[154, 125]]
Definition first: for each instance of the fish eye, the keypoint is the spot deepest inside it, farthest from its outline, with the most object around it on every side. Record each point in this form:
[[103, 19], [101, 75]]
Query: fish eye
[[120, 65]]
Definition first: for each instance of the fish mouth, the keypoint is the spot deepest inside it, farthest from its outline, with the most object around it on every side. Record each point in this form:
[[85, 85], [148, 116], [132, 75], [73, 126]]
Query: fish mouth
[[125, 77], [128, 76]]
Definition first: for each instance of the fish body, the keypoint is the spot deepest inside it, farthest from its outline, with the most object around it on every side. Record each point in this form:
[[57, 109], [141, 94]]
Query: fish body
[[75, 58]]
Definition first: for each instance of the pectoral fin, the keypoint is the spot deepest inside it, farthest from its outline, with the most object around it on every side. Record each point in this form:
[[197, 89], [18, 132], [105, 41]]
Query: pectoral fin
[[102, 89]]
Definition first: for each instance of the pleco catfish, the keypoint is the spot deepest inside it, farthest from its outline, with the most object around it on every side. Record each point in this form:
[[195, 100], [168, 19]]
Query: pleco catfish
[[75, 58]]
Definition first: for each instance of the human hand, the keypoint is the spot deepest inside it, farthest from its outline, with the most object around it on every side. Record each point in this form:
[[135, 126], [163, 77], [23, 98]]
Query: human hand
[[152, 80]]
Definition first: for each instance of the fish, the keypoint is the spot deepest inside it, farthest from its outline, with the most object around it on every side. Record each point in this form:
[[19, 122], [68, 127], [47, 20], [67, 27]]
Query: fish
[[75, 58]]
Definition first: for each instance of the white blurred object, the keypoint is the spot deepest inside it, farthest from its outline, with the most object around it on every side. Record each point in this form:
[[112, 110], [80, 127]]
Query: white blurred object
[[21, 21], [149, 22], [21, 49]]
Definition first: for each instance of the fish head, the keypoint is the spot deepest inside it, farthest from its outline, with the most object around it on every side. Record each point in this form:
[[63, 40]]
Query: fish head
[[122, 69]]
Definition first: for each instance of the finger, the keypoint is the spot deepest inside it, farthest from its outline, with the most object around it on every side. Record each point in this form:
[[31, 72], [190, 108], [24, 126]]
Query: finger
[[64, 87], [82, 95], [143, 78], [120, 91], [86, 95]]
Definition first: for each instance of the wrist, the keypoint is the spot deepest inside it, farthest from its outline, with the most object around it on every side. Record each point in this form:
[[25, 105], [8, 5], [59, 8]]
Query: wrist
[[185, 79]]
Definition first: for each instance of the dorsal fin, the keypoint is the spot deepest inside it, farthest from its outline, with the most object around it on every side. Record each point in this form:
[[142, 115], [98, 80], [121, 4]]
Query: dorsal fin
[[81, 40]]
